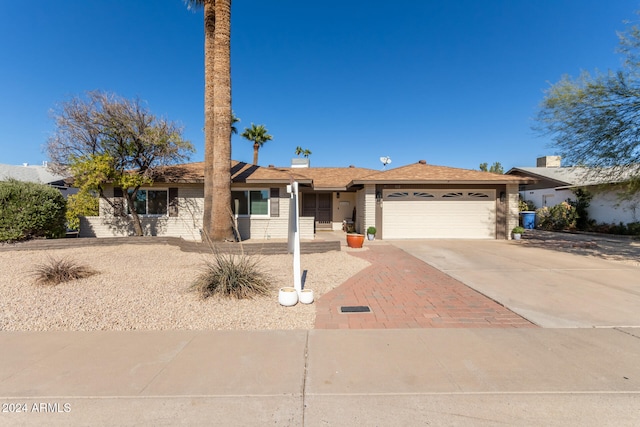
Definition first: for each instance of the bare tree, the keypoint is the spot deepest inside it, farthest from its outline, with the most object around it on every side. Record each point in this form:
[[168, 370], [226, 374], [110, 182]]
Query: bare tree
[[105, 138]]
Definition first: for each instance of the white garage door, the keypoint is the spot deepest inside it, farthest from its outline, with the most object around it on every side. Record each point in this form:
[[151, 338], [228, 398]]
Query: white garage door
[[422, 214]]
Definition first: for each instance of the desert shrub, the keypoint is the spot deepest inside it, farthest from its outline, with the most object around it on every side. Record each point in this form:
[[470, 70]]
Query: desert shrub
[[582, 202], [29, 210], [58, 270], [629, 229], [232, 276], [525, 205], [562, 216], [634, 228]]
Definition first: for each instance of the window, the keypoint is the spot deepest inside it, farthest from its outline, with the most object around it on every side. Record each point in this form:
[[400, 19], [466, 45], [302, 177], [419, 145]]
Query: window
[[423, 195], [150, 202], [397, 195], [452, 195], [477, 195], [250, 202]]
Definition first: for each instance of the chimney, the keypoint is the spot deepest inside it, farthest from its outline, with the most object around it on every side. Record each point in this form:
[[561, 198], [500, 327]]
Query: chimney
[[297, 162], [548, 162]]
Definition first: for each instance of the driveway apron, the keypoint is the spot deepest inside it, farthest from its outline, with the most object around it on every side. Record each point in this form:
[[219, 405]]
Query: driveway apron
[[401, 291], [555, 283]]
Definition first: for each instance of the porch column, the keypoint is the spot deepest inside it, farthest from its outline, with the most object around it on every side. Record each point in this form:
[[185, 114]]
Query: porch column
[[513, 211]]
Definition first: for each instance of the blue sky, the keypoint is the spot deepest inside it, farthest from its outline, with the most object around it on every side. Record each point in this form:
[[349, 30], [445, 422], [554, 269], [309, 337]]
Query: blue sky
[[454, 82]]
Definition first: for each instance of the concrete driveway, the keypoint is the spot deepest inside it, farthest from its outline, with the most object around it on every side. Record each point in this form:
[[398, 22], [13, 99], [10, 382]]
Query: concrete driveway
[[553, 280]]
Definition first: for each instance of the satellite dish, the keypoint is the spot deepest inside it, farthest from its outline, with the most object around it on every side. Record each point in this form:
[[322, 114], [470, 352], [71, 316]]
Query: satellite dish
[[385, 161]]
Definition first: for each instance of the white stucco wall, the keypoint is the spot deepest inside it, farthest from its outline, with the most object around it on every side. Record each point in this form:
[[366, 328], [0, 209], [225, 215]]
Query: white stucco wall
[[608, 208], [342, 208], [605, 207], [547, 197]]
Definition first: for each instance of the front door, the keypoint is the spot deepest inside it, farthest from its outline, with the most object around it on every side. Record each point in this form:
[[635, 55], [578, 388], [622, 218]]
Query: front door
[[318, 205]]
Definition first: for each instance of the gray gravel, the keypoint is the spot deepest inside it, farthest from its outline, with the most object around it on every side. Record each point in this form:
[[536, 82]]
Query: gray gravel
[[147, 288]]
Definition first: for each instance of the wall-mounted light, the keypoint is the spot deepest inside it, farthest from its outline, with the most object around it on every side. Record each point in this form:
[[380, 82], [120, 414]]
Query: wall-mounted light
[[378, 196], [338, 195], [503, 196]]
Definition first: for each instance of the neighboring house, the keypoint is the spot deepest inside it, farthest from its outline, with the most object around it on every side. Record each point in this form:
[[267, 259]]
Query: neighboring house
[[413, 201], [38, 174], [555, 184]]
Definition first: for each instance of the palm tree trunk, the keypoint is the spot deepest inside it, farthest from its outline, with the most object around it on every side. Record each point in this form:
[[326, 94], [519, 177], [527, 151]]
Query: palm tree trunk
[[255, 153], [217, 219]]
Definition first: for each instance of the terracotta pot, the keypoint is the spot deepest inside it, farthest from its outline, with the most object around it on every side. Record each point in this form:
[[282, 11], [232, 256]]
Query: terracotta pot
[[355, 240]]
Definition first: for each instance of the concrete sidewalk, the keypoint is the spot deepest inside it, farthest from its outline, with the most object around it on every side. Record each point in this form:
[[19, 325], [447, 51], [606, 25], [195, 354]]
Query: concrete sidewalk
[[322, 377]]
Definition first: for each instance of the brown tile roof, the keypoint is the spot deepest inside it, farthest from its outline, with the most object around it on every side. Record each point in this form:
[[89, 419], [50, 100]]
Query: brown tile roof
[[320, 178], [187, 172], [337, 178], [422, 173], [240, 172], [329, 178]]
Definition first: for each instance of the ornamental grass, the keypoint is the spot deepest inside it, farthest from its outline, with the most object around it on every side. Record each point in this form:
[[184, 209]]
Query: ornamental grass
[[60, 270], [232, 276]]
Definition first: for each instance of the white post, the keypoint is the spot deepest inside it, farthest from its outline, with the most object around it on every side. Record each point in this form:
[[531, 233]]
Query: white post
[[294, 235]]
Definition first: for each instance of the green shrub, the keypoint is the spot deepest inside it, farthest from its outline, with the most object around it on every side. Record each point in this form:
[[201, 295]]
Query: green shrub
[[232, 276], [634, 228], [526, 205], [629, 229], [562, 216], [29, 210], [581, 204], [80, 204], [57, 271]]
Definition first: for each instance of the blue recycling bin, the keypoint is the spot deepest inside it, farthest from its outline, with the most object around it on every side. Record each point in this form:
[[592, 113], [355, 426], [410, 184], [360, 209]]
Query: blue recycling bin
[[528, 219]]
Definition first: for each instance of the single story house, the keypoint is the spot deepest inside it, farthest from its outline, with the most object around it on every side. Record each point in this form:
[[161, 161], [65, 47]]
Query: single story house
[[414, 201], [36, 173], [555, 184]]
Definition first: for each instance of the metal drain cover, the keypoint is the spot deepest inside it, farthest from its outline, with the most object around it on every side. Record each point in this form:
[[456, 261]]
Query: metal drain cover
[[355, 309]]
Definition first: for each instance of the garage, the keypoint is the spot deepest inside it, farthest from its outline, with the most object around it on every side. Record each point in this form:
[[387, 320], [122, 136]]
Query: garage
[[424, 214]]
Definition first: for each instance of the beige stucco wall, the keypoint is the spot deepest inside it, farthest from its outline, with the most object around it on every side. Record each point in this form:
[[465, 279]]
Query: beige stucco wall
[[342, 208], [369, 219], [513, 211], [188, 223], [365, 208]]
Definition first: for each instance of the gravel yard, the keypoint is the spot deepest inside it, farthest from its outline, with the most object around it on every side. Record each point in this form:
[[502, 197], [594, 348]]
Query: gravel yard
[[141, 287]]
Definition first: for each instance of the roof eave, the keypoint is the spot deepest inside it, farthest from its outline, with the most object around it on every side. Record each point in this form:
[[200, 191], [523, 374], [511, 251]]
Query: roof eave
[[275, 181], [330, 188], [537, 177], [181, 181], [441, 181]]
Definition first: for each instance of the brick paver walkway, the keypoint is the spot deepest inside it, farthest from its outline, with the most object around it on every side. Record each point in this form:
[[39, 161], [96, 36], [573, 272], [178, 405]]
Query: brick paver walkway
[[405, 292]]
